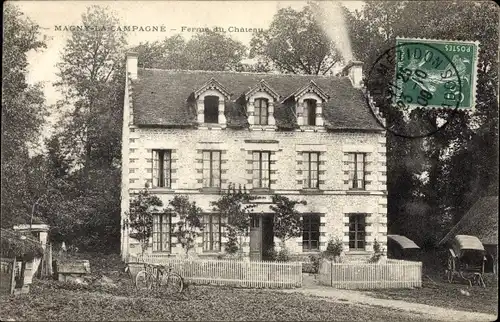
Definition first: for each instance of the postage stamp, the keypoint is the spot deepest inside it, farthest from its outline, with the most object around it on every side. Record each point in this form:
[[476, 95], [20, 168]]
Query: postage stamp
[[426, 79]]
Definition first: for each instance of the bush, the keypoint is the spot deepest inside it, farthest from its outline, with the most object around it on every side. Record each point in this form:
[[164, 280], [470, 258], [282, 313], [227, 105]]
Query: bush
[[283, 255], [315, 260], [334, 249]]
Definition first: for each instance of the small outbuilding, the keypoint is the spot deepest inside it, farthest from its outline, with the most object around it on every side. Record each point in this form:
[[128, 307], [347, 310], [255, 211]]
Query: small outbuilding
[[401, 247], [480, 221]]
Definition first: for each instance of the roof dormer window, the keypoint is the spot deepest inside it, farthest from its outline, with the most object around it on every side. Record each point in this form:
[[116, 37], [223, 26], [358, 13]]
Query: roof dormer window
[[261, 114], [260, 105], [309, 101], [309, 112], [210, 103], [211, 109]]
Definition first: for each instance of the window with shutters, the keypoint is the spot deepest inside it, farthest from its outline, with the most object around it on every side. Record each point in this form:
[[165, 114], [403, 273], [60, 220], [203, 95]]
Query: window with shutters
[[261, 169], [310, 233], [211, 169], [357, 231], [162, 168], [162, 233], [261, 107], [310, 112], [357, 170], [212, 232], [311, 170]]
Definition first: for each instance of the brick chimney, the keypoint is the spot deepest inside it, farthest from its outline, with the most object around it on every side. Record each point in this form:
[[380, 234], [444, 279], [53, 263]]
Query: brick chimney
[[354, 70], [132, 65]]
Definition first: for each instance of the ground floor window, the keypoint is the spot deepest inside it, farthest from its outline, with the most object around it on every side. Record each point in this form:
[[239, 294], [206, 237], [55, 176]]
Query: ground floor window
[[212, 232], [162, 233], [357, 232], [310, 233]]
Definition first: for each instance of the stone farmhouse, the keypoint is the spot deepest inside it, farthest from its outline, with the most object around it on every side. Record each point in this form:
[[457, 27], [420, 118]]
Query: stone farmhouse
[[306, 137]]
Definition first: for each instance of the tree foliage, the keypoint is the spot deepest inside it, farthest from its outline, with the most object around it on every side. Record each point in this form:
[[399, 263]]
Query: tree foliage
[[295, 43], [287, 219], [189, 223], [205, 51], [435, 180], [236, 207], [23, 114], [84, 153], [143, 207]]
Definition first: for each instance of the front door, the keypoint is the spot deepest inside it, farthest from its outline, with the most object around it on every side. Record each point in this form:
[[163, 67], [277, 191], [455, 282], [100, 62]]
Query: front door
[[256, 237]]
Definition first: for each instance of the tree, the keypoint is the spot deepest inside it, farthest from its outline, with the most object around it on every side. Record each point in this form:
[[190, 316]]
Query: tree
[[205, 51], [83, 157], [23, 113], [143, 207], [436, 179], [295, 43], [91, 77], [189, 223], [236, 207], [287, 219]]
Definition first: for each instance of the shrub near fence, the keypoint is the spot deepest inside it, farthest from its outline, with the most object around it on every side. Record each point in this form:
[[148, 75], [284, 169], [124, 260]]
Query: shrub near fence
[[231, 272], [361, 275]]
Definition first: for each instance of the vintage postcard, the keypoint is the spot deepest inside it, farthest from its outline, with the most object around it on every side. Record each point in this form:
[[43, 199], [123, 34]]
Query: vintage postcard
[[249, 160]]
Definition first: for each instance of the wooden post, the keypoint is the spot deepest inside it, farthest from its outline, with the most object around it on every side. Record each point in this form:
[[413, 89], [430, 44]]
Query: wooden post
[[13, 276]]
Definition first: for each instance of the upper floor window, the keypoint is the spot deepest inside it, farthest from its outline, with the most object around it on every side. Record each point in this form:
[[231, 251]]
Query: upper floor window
[[357, 170], [162, 232], [261, 107], [261, 169], [357, 232], [311, 170], [310, 233], [310, 112], [162, 168], [211, 109], [212, 232], [211, 168]]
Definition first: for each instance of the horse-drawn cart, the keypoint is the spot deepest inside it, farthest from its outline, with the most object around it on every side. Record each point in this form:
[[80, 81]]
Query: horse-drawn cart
[[466, 259]]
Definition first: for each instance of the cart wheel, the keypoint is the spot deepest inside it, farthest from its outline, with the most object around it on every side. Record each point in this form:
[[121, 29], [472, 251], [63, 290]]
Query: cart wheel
[[450, 269]]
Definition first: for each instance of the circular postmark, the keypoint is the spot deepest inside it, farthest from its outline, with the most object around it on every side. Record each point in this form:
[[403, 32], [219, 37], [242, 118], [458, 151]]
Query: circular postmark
[[414, 90]]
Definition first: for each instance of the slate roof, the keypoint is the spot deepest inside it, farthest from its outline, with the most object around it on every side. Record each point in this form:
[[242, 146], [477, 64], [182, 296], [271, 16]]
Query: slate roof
[[481, 221], [166, 98]]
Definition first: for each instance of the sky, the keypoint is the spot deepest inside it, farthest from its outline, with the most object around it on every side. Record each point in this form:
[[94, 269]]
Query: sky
[[173, 15]]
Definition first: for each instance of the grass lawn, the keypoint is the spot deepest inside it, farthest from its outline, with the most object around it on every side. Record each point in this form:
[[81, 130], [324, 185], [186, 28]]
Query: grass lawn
[[55, 301], [443, 294], [51, 300]]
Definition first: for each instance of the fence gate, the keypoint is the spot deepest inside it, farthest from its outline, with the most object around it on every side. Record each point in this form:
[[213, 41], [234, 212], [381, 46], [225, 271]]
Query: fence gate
[[7, 275]]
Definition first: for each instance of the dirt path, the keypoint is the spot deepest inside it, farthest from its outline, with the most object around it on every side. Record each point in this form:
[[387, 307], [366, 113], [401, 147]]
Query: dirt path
[[360, 298]]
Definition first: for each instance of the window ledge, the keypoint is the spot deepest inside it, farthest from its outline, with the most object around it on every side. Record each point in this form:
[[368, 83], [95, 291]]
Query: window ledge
[[358, 252], [212, 125], [257, 127], [358, 192], [209, 253], [211, 190], [311, 128], [311, 191], [261, 191], [162, 190], [311, 252]]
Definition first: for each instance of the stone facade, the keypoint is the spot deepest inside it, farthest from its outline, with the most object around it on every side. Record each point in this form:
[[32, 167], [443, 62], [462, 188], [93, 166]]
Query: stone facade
[[333, 201]]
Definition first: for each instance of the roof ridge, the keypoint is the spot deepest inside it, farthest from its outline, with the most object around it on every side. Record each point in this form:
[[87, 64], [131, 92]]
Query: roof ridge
[[197, 71]]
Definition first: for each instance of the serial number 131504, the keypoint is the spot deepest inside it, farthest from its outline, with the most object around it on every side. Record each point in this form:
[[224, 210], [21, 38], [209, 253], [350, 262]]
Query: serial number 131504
[[458, 48]]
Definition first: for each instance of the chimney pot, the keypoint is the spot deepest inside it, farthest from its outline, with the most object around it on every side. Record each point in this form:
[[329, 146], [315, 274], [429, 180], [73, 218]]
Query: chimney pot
[[132, 58], [354, 70]]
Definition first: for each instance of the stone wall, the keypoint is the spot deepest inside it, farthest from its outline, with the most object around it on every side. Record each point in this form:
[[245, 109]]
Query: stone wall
[[333, 200]]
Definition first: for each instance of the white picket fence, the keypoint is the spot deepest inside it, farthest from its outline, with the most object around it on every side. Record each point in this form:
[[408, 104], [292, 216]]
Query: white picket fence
[[254, 274], [360, 275]]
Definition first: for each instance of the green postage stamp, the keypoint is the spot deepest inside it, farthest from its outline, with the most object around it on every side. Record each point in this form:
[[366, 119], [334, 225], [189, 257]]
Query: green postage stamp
[[435, 73]]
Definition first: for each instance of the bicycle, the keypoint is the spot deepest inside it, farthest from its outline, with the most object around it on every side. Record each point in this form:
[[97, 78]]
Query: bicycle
[[156, 276]]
